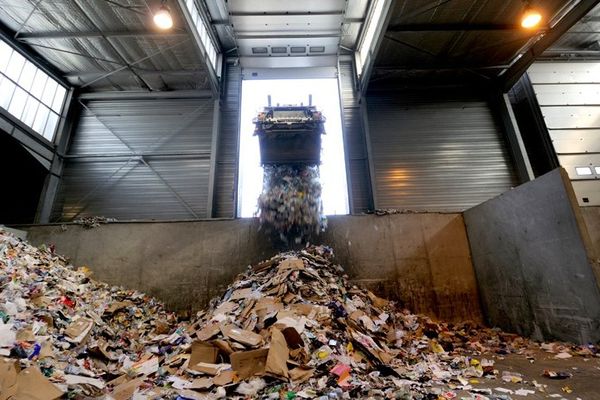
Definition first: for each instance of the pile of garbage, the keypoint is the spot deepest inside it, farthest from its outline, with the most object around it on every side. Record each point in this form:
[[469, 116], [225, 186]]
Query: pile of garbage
[[290, 203], [291, 327]]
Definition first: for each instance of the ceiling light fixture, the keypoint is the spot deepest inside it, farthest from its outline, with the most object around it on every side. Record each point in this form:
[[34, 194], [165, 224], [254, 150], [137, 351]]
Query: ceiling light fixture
[[162, 18], [531, 17]]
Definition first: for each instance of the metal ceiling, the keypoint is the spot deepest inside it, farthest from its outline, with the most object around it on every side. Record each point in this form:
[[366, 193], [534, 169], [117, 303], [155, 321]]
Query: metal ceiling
[[88, 39], [288, 33], [581, 42], [464, 40], [107, 45]]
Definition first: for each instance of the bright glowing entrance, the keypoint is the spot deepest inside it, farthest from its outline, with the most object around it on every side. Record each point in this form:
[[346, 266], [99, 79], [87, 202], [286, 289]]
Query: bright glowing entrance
[[325, 96]]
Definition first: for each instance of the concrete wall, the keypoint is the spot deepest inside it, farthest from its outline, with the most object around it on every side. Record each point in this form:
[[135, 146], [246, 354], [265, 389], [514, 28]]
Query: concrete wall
[[591, 218], [533, 261], [421, 260]]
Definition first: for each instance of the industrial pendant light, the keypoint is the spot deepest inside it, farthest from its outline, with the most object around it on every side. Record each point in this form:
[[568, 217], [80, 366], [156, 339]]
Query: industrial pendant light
[[162, 18], [531, 17]]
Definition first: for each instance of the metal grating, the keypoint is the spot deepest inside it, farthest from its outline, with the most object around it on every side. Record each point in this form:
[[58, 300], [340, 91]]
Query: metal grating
[[138, 159], [436, 151]]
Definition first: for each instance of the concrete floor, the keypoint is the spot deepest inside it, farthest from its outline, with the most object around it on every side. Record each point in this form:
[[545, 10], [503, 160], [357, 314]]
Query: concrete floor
[[585, 382]]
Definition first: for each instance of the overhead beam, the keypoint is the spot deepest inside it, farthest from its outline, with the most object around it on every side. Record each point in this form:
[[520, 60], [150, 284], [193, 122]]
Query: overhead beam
[[29, 36], [87, 75], [284, 13], [510, 76], [452, 27], [142, 95], [229, 22], [276, 35]]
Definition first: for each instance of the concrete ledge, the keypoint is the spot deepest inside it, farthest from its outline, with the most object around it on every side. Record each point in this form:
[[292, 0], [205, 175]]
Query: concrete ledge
[[420, 260]]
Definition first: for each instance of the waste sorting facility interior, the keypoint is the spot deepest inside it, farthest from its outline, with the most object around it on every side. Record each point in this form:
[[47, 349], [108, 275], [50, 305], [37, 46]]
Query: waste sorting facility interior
[[446, 108]]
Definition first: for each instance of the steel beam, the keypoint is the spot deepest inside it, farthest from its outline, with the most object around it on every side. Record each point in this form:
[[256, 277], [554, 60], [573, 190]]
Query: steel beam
[[511, 75], [30, 36], [133, 63], [138, 95], [88, 75], [115, 48], [513, 134], [284, 13], [216, 127], [452, 27], [379, 34]]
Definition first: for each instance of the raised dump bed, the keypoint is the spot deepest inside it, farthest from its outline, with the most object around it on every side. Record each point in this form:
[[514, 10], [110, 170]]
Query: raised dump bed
[[289, 135]]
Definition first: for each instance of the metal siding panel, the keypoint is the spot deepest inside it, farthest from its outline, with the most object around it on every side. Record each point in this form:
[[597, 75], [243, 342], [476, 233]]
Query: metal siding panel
[[108, 186], [587, 190], [564, 72], [436, 151], [227, 150], [569, 97], [571, 161], [356, 149], [576, 141], [572, 117]]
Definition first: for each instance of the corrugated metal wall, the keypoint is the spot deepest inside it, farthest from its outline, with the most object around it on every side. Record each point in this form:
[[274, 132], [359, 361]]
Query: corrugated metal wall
[[359, 180], [569, 96], [436, 150], [138, 159], [228, 144]]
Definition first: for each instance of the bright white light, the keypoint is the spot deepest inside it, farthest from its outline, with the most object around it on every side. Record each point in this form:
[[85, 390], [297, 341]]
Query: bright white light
[[293, 91], [163, 19], [531, 18], [369, 36]]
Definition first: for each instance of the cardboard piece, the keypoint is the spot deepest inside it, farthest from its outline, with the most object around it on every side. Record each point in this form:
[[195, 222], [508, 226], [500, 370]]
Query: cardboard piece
[[202, 352], [278, 355], [291, 263], [79, 329], [145, 366], [201, 383], [8, 378], [224, 378], [300, 374], [116, 306], [25, 335], [249, 363], [241, 294], [242, 336], [223, 345], [210, 369], [32, 385], [208, 332], [125, 390], [292, 338]]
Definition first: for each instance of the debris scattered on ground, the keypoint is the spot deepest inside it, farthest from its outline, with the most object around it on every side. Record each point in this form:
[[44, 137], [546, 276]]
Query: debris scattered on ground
[[290, 203], [93, 222], [291, 327]]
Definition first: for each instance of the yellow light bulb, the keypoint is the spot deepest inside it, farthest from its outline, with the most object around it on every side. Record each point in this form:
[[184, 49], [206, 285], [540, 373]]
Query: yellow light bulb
[[163, 18], [531, 18]]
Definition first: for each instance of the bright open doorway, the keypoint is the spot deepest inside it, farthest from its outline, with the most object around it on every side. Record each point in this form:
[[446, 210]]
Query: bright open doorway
[[325, 95]]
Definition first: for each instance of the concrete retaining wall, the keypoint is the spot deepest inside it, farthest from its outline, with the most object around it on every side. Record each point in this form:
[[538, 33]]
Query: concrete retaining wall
[[534, 262], [421, 260]]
